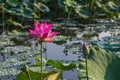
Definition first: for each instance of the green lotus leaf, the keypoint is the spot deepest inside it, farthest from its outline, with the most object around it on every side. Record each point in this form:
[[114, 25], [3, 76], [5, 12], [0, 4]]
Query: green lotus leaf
[[17, 33], [25, 1], [99, 4], [18, 9], [61, 3], [45, 1], [82, 13], [60, 38], [35, 75], [10, 11], [22, 76], [14, 23], [111, 4], [62, 66], [28, 5], [42, 7], [12, 2], [27, 12], [37, 69], [70, 3], [102, 65]]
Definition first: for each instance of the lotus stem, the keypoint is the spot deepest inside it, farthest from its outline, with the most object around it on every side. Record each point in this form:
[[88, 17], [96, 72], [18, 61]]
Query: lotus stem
[[68, 18], [86, 57], [34, 10], [3, 17], [22, 20], [27, 69], [41, 46]]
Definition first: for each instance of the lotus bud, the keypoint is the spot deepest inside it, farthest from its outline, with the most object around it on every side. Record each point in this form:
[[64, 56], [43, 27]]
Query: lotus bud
[[86, 50]]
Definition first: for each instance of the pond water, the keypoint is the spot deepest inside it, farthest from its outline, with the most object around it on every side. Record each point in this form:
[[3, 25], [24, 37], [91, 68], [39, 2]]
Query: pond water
[[56, 52], [69, 49]]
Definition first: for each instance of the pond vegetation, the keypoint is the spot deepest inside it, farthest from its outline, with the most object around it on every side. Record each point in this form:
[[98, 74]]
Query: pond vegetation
[[59, 39]]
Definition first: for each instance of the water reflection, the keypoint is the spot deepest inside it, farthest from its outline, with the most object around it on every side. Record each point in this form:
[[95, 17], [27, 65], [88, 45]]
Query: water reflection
[[56, 52]]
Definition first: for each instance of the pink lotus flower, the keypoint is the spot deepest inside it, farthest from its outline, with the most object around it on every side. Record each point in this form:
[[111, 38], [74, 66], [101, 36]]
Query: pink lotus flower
[[43, 32]]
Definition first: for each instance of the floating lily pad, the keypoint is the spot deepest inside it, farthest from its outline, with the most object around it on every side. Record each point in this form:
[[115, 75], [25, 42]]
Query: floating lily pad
[[61, 66]]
